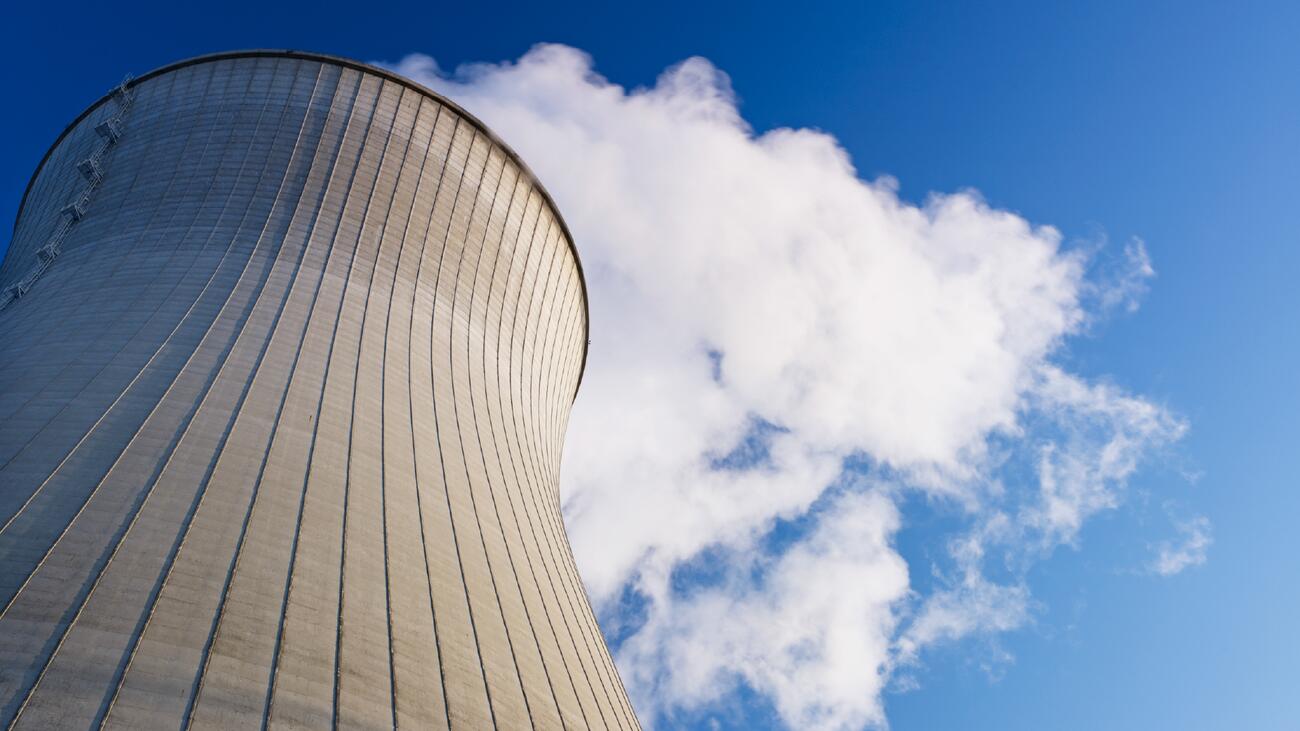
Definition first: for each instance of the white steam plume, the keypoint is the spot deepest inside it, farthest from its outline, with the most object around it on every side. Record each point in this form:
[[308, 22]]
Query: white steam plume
[[760, 315]]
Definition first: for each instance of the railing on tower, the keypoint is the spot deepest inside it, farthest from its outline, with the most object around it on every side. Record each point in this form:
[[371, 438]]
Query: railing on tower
[[92, 169]]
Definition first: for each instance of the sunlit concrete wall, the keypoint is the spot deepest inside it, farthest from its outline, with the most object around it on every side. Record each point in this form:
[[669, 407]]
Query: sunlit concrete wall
[[280, 426]]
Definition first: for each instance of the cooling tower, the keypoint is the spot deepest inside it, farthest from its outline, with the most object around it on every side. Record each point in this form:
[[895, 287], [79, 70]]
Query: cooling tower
[[287, 350]]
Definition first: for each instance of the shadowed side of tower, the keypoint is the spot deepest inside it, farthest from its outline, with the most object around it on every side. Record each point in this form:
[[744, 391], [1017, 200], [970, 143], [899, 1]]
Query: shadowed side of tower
[[287, 351]]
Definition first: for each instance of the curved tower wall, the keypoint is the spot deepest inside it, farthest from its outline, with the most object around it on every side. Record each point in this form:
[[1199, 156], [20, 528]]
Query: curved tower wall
[[281, 420]]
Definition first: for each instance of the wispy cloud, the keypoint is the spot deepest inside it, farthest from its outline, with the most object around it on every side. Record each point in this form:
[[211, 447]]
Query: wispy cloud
[[781, 351], [968, 603], [1191, 548], [1123, 281]]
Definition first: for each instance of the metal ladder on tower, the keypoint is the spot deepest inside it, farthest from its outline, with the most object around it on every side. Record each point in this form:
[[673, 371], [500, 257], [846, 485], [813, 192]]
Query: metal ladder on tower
[[92, 171]]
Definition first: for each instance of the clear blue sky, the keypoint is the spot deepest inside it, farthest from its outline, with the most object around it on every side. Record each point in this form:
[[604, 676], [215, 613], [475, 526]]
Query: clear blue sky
[[1175, 122]]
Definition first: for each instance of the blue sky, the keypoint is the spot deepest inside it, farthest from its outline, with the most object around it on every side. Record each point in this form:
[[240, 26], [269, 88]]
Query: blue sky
[[1177, 123]]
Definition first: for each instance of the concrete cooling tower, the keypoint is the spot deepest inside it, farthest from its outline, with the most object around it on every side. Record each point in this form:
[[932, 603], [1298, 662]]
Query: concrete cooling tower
[[287, 349]]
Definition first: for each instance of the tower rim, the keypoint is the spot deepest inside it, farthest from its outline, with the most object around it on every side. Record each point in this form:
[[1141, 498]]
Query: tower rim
[[366, 68]]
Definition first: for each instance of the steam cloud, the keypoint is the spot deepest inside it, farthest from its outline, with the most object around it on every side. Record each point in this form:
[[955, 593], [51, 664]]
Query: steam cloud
[[781, 353]]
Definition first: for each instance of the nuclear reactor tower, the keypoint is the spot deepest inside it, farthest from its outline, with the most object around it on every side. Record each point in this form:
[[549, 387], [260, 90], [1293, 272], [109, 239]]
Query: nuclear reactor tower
[[287, 349]]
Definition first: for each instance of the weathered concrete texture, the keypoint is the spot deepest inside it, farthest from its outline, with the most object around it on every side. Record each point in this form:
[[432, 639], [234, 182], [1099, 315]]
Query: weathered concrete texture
[[280, 426]]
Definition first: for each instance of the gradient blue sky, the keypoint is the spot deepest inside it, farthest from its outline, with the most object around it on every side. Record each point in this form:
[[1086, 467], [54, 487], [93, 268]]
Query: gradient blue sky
[[1175, 122]]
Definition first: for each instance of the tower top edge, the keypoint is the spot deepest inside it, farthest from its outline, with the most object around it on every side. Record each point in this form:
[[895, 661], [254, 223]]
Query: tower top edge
[[365, 68]]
